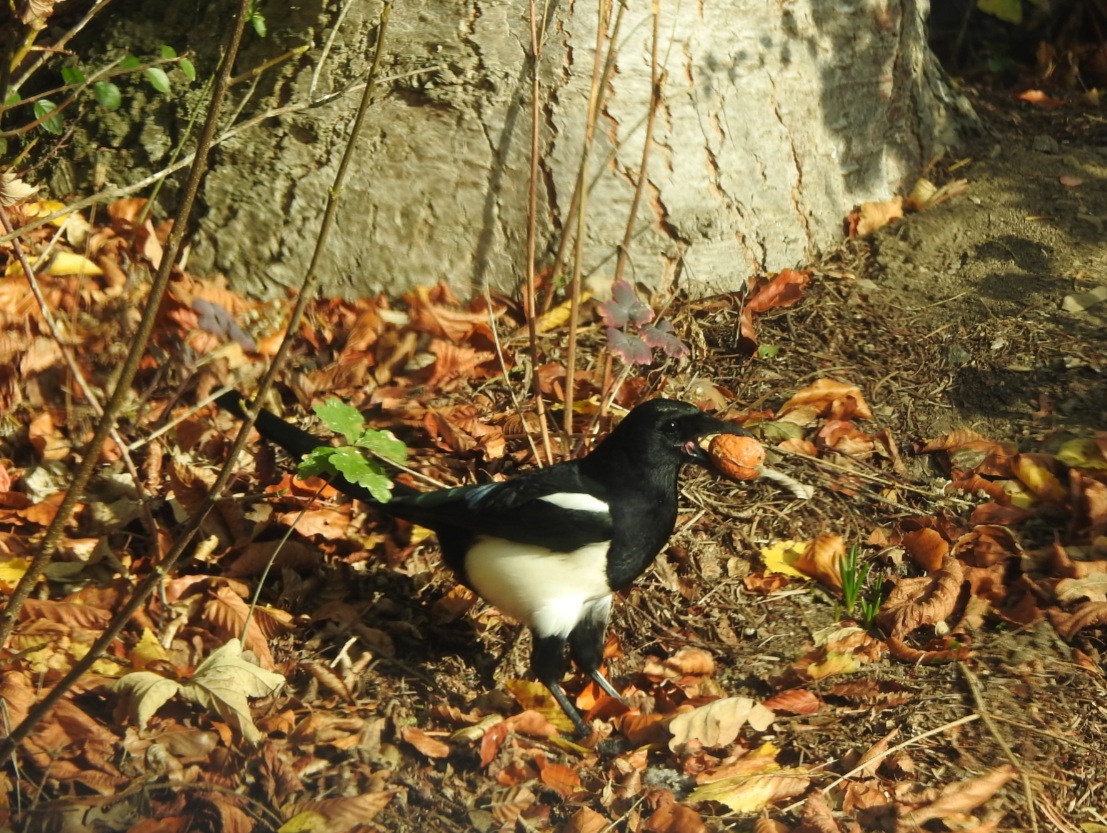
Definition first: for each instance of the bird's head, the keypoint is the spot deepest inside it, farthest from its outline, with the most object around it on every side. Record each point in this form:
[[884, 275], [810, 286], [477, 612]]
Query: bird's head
[[664, 430]]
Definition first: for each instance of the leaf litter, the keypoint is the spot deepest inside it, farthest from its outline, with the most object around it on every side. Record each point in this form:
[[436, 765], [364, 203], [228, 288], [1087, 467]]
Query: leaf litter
[[371, 690]]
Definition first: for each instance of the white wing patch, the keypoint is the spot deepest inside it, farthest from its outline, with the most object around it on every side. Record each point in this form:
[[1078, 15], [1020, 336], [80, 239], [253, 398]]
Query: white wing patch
[[579, 501], [546, 591]]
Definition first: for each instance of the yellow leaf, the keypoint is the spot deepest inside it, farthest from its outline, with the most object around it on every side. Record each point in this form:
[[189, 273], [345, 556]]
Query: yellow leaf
[[1038, 479], [836, 662], [781, 556], [147, 651], [558, 315], [751, 794], [534, 695], [1082, 454], [304, 822], [65, 263], [43, 207], [11, 571]]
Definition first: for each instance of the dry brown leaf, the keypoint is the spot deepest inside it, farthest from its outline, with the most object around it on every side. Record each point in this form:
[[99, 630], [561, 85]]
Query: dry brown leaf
[[794, 701], [228, 612], [961, 797], [782, 290], [871, 757], [674, 818], [718, 723], [822, 560], [339, 815], [918, 602], [817, 817], [926, 547], [559, 777], [585, 820], [432, 747], [874, 693], [1088, 615], [831, 399], [875, 215]]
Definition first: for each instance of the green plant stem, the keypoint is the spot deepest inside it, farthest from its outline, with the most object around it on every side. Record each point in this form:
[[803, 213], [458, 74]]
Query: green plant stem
[[91, 452]]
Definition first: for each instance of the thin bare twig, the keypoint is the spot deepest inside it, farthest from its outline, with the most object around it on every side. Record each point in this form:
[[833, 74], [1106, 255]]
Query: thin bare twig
[[982, 709]]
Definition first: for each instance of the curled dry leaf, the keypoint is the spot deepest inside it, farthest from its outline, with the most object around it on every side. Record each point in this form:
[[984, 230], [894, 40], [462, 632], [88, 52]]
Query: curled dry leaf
[[957, 798], [14, 190], [874, 215], [739, 458], [828, 398], [918, 602], [1088, 615], [822, 560], [926, 547]]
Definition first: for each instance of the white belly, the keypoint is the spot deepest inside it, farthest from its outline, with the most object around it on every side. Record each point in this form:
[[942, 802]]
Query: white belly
[[546, 591]]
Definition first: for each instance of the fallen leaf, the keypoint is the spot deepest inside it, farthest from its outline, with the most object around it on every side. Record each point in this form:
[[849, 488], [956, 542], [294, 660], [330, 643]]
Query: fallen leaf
[[781, 557], [751, 794], [831, 399], [917, 602], [961, 797], [717, 724], [875, 215], [822, 560], [430, 746], [926, 547]]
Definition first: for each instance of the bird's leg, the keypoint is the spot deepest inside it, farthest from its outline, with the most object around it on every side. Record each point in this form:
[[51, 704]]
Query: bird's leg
[[586, 644], [547, 661]]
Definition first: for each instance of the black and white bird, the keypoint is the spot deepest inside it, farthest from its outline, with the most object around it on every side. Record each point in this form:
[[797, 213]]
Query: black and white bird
[[551, 546]]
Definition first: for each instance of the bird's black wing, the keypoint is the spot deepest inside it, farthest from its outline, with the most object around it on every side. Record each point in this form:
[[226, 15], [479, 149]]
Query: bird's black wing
[[557, 508]]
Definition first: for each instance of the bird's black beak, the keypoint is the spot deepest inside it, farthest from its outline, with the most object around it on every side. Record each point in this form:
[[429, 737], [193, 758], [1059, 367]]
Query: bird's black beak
[[695, 449]]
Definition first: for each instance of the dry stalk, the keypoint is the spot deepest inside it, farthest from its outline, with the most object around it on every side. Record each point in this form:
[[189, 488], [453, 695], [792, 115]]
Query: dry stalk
[[601, 72], [982, 709], [532, 234]]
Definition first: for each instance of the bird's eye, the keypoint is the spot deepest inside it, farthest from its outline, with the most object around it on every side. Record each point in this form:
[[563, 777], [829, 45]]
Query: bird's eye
[[671, 425]]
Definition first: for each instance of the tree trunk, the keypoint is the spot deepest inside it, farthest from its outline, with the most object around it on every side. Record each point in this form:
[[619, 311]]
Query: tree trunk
[[775, 120]]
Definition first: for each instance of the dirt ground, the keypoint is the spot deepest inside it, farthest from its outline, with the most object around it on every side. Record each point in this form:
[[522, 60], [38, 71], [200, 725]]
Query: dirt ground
[[952, 318]]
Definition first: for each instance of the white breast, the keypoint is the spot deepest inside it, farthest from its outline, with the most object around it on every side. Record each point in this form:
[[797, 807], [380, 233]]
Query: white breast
[[548, 592]]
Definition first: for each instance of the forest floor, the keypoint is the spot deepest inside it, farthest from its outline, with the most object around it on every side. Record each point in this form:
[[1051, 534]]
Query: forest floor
[[939, 384]]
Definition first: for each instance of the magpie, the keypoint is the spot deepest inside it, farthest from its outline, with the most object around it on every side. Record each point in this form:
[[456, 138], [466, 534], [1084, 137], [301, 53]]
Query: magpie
[[551, 546]]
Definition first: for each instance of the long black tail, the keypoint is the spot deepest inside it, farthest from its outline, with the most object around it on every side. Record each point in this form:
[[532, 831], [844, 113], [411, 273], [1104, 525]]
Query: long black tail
[[297, 442]]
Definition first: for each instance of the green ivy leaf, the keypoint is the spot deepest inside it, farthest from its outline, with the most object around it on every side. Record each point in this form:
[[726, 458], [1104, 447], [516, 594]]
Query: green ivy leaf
[[72, 75], [158, 79], [384, 444], [341, 418], [168, 52], [52, 124], [130, 62], [188, 69], [107, 95]]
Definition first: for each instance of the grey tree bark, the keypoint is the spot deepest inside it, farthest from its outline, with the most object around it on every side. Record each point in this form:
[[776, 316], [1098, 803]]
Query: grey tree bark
[[776, 119]]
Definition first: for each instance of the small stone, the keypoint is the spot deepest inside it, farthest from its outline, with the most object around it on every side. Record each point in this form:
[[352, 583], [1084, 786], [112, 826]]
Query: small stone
[[1044, 143]]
